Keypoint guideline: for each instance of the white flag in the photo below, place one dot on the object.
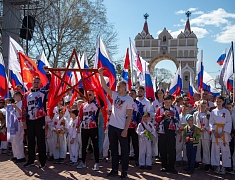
(13, 58)
(227, 69)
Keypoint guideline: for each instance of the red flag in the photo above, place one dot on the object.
(28, 68)
(139, 64)
(128, 68)
(55, 82)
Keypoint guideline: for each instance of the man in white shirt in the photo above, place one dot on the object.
(144, 101)
(120, 119)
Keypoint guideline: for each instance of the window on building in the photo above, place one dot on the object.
(164, 39)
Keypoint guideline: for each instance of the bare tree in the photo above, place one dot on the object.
(163, 75)
(66, 24)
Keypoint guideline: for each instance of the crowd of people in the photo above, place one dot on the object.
(178, 131)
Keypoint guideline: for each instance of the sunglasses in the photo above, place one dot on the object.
(90, 94)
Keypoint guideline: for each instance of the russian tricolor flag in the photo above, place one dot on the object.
(222, 57)
(103, 60)
(190, 91)
(126, 73)
(200, 74)
(3, 78)
(176, 84)
(42, 62)
(230, 84)
(16, 79)
(148, 83)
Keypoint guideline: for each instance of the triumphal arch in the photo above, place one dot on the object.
(182, 50)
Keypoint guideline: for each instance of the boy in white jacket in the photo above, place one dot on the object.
(146, 131)
(73, 137)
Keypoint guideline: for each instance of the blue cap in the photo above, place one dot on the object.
(188, 116)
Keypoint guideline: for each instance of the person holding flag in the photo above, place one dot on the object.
(120, 119)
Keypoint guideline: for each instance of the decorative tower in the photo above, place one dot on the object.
(181, 50)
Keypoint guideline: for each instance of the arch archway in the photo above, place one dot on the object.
(158, 59)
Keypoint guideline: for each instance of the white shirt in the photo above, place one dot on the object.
(66, 114)
(146, 104)
(221, 116)
(148, 126)
(67, 98)
(153, 109)
(72, 128)
(19, 105)
(119, 110)
(202, 121)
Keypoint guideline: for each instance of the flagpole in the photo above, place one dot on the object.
(131, 64)
(8, 71)
(202, 71)
(233, 71)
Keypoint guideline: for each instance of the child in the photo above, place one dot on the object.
(167, 118)
(17, 139)
(191, 135)
(201, 118)
(146, 131)
(73, 137)
(59, 137)
(106, 139)
(180, 147)
(49, 137)
(221, 126)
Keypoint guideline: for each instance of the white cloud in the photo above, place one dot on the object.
(177, 25)
(180, 12)
(199, 12)
(227, 35)
(220, 18)
(200, 32)
(174, 34)
(216, 18)
(192, 9)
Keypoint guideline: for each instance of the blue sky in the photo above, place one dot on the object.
(212, 21)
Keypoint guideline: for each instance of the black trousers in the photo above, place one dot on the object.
(167, 149)
(93, 134)
(36, 130)
(135, 142)
(115, 137)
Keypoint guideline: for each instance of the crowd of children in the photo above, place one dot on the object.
(177, 131)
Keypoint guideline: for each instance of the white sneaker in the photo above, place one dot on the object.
(222, 170)
(81, 165)
(217, 171)
(96, 167)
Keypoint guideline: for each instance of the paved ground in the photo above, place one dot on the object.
(11, 171)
